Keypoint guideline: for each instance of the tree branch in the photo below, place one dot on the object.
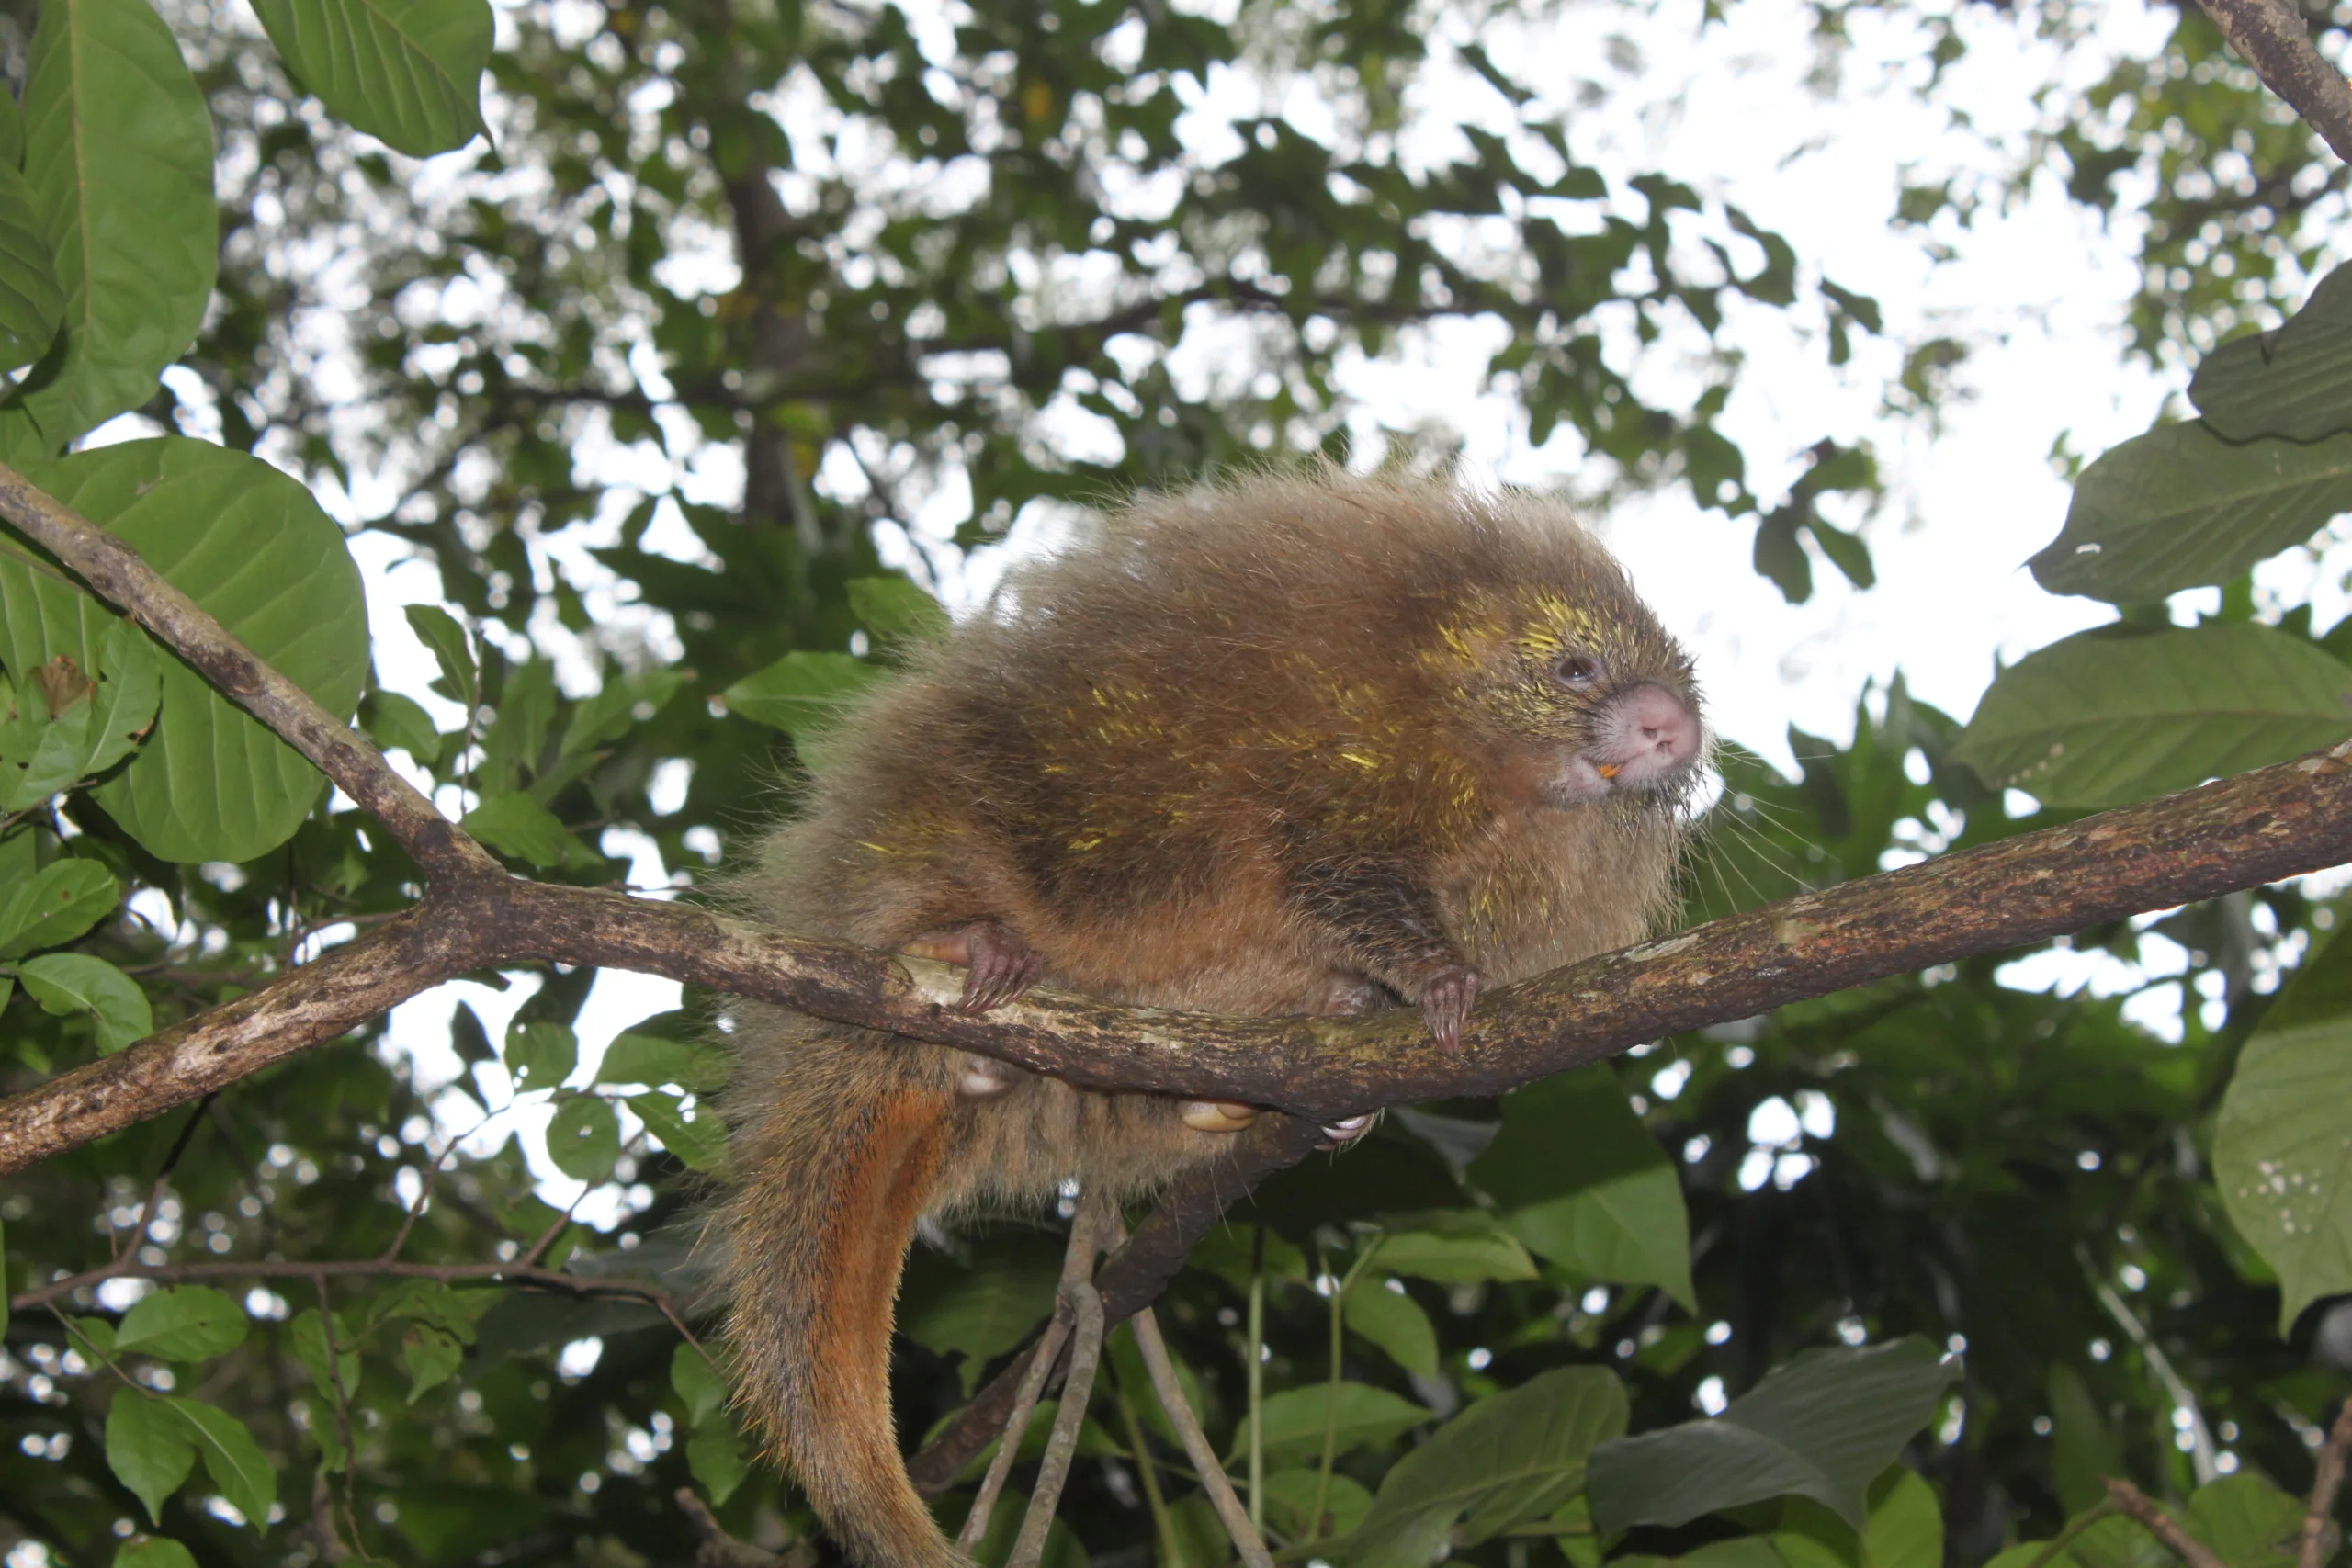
(2272, 37)
(2242, 832)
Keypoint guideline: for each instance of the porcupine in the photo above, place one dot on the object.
(1292, 744)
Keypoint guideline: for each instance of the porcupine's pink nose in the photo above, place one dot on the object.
(1652, 733)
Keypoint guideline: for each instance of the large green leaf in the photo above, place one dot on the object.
(2180, 507)
(1504, 1461)
(118, 155)
(1395, 1321)
(1292, 1423)
(2294, 382)
(186, 1323)
(231, 1458)
(982, 1311)
(150, 1450)
(31, 304)
(1590, 1188)
(802, 690)
(406, 72)
(2283, 1160)
(251, 546)
(1822, 1426)
(2101, 717)
(154, 1551)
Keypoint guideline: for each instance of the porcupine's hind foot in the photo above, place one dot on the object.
(999, 965)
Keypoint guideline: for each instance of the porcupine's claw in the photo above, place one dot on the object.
(999, 965)
(1446, 1000)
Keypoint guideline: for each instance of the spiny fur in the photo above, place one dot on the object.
(1152, 761)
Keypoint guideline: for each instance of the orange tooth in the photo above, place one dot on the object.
(1609, 770)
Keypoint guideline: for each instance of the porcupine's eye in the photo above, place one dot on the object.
(1576, 672)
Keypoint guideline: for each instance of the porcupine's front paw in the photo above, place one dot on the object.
(999, 965)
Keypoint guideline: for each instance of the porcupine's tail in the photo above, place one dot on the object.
(840, 1139)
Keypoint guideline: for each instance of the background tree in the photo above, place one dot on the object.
(756, 322)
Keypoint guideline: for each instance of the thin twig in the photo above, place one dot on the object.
(341, 1413)
(1016, 1428)
(2129, 1499)
(515, 1273)
(1206, 1464)
(1088, 1228)
(2320, 1516)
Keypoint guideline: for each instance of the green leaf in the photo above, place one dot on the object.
(1290, 1504)
(232, 1459)
(699, 1386)
(894, 610)
(432, 1356)
(2295, 382)
(540, 1055)
(1562, 1134)
(2283, 1162)
(2248, 1521)
(1634, 1230)
(715, 1458)
(584, 1138)
(311, 1346)
(183, 1322)
(1504, 1461)
(119, 156)
(700, 1142)
(1845, 552)
(406, 72)
(149, 1450)
(613, 711)
(252, 547)
(65, 899)
(802, 690)
(31, 303)
(1822, 1426)
(68, 983)
(651, 1059)
(1461, 1260)
(2082, 1449)
(453, 650)
(453, 1311)
(2101, 719)
(46, 753)
(983, 1311)
(1588, 1187)
(2179, 507)
(1395, 1323)
(153, 1551)
(516, 824)
(1294, 1419)
(395, 721)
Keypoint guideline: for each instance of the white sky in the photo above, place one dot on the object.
(2038, 289)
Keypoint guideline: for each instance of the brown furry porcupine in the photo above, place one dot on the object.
(1290, 745)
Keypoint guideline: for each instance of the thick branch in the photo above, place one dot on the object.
(2272, 37)
(2260, 827)
(117, 574)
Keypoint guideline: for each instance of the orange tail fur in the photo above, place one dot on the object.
(841, 1143)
